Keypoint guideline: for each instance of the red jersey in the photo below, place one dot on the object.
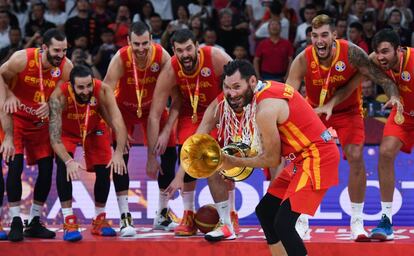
(125, 92)
(26, 87)
(204, 77)
(339, 73)
(303, 136)
(73, 117)
(405, 82)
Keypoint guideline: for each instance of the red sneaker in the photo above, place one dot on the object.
(101, 227)
(187, 225)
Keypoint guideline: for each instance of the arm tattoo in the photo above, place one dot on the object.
(359, 59)
(55, 123)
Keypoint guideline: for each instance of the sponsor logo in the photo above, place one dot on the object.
(27, 109)
(55, 72)
(93, 101)
(340, 66)
(205, 72)
(155, 67)
(406, 76)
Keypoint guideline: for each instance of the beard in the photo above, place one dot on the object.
(193, 62)
(54, 61)
(82, 98)
(239, 102)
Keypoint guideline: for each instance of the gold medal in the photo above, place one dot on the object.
(194, 118)
(139, 112)
(399, 118)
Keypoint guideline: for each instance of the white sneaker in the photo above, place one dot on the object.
(302, 227)
(164, 220)
(127, 229)
(358, 233)
(221, 232)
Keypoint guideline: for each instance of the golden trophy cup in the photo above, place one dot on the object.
(201, 157)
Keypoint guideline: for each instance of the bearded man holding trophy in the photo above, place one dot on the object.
(260, 122)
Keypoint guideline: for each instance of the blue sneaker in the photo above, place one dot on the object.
(3, 234)
(383, 231)
(71, 229)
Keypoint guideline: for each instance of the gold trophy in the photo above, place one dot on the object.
(201, 157)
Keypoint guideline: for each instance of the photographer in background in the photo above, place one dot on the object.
(81, 57)
(121, 26)
(102, 55)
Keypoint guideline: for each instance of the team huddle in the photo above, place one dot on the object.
(48, 107)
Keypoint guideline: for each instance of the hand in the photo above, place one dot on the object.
(176, 184)
(153, 167)
(8, 150)
(11, 105)
(225, 163)
(43, 110)
(325, 109)
(394, 102)
(162, 143)
(72, 169)
(171, 28)
(117, 164)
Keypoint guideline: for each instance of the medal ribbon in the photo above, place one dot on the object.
(82, 129)
(398, 118)
(42, 87)
(138, 91)
(324, 91)
(194, 98)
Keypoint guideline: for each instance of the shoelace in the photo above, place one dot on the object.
(127, 221)
(186, 220)
(384, 223)
(218, 225)
(35, 224)
(103, 223)
(71, 226)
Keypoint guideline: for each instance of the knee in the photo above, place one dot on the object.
(387, 152)
(281, 226)
(354, 154)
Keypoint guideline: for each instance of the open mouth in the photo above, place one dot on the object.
(322, 50)
(383, 63)
(235, 102)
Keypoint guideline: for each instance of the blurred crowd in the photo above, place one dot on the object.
(269, 33)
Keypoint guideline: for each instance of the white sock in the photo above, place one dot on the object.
(357, 209)
(162, 201)
(66, 212)
(99, 210)
(188, 200)
(386, 208)
(123, 203)
(35, 210)
(223, 210)
(14, 211)
(232, 203)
